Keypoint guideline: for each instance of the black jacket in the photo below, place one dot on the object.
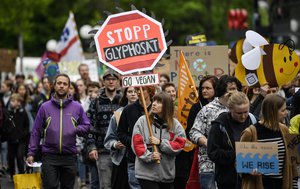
(129, 116)
(221, 148)
(16, 126)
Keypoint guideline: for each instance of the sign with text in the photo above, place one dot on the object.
(208, 60)
(259, 156)
(140, 80)
(293, 141)
(130, 42)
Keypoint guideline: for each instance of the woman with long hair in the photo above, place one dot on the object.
(206, 92)
(169, 138)
(270, 129)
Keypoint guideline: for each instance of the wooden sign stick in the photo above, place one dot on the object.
(148, 120)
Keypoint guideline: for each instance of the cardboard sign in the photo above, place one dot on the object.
(293, 142)
(130, 42)
(8, 60)
(140, 80)
(208, 60)
(256, 155)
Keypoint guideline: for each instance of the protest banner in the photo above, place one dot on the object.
(140, 80)
(8, 60)
(293, 141)
(208, 60)
(130, 42)
(262, 157)
(187, 96)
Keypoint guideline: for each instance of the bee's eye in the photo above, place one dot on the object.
(284, 59)
(290, 58)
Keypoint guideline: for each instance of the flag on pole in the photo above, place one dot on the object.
(40, 69)
(69, 46)
(187, 95)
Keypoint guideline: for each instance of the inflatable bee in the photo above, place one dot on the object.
(259, 63)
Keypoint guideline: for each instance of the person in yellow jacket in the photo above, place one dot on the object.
(295, 124)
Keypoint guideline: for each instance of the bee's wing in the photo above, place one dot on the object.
(247, 46)
(255, 39)
(251, 59)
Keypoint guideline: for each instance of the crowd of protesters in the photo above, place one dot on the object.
(99, 130)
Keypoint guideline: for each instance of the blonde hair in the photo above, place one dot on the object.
(237, 98)
(16, 96)
(269, 109)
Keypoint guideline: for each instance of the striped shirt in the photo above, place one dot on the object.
(267, 135)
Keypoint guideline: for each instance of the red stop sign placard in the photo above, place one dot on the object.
(130, 42)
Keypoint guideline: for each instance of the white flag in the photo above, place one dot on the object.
(69, 45)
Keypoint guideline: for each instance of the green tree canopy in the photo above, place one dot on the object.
(42, 20)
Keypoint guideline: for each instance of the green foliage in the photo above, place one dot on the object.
(41, 20)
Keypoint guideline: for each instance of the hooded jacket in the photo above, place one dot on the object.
(59, 121)
(221, 147)
(172, 142)
(100, 112)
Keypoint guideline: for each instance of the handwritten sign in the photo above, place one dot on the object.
(208, 60)
(140, 80)
(293, 142)
(256, 155)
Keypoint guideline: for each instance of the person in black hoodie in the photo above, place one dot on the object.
(225, 131)
(129, 116)
(16, 130)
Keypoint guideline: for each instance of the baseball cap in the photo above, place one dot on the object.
(110, 72)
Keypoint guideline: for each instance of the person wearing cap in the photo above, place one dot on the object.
(100, 112)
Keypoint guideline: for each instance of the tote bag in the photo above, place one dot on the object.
(24, 181)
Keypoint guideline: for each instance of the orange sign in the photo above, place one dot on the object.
(130, 42)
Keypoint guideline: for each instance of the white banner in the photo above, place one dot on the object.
(140, 80)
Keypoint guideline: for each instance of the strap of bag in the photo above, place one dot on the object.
(253, 119)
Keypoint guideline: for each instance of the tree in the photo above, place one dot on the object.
(39, 21)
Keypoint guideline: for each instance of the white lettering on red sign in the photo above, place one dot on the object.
(127, 34)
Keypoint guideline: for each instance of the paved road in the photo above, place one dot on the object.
(6, 183)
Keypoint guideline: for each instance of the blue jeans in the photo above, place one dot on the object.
(94, 175)
(132, 181)
(81, 170)
(207, 180)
